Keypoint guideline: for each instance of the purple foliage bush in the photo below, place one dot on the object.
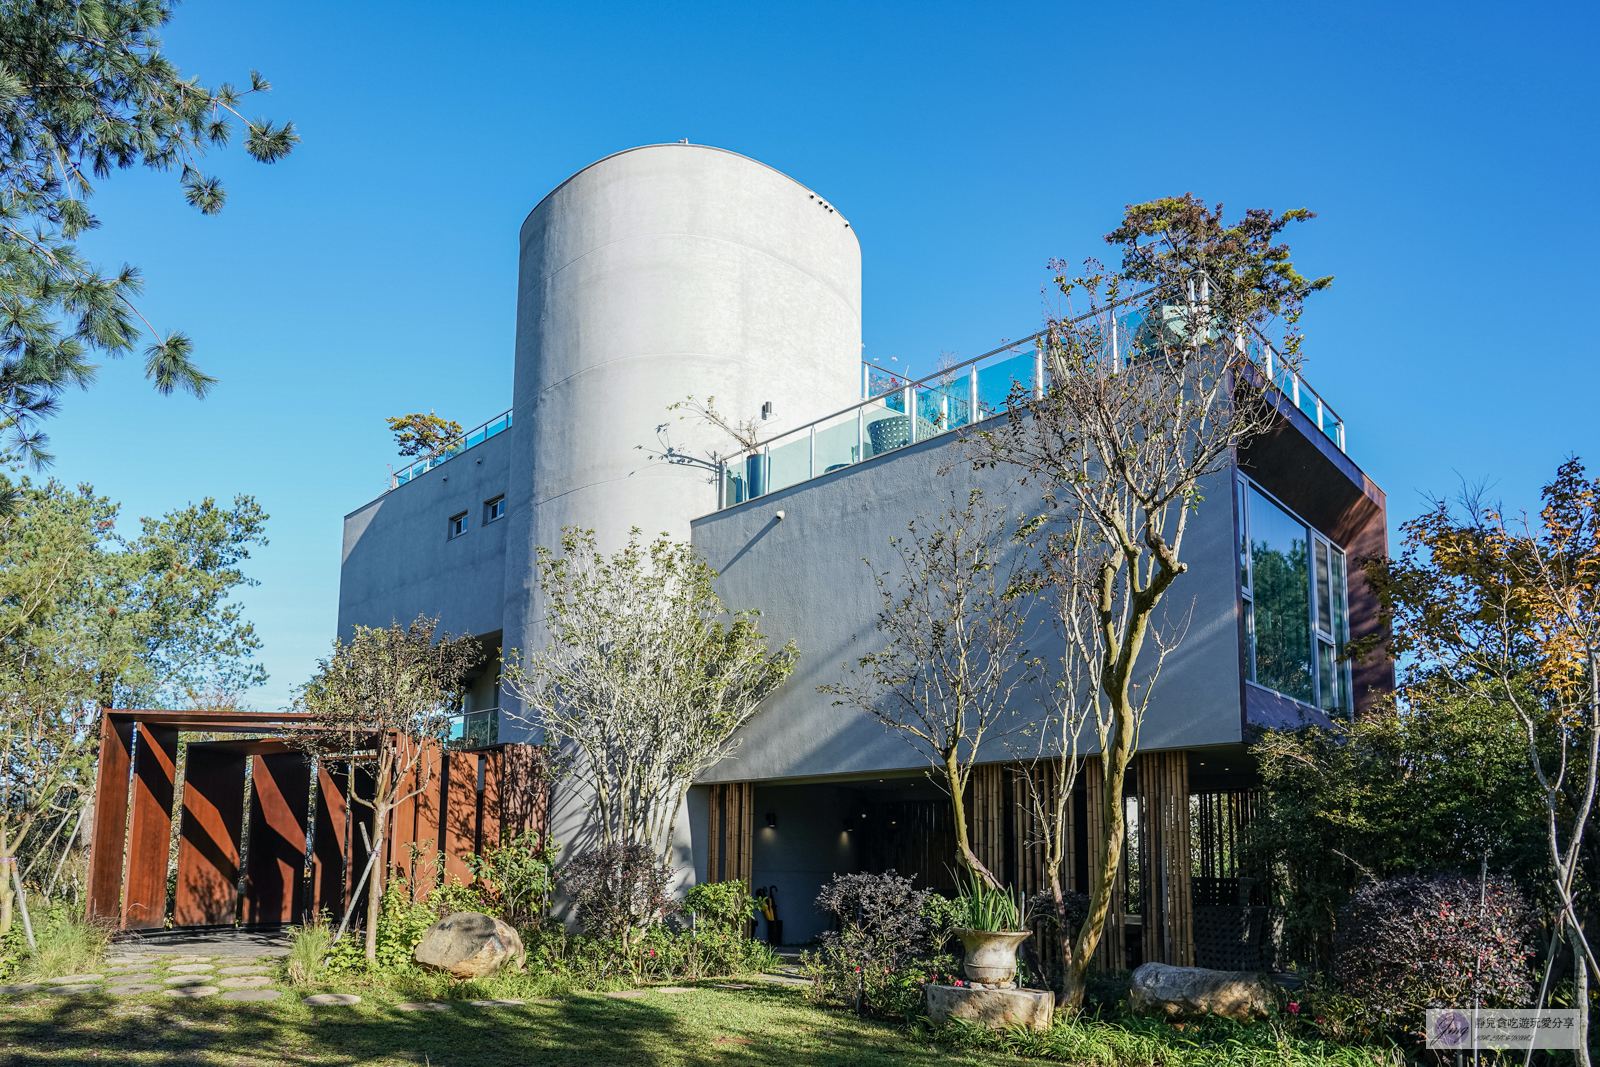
(1410, 943)
(618, 889)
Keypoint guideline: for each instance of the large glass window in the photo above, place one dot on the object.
(1294, 604)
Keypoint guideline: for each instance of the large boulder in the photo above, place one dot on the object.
(1163, 990)
(470, 944)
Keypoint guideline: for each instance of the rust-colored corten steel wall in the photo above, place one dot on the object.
(144, 902)
(463, 800)
(330, 869)
(274, 869)
(208, 843)
(106, 850)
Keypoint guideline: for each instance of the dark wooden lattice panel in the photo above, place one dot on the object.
(1229, 937)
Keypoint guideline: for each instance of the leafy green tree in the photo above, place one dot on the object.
(1151, 393)
(89, 619)
(424, 435)
(646, 678)
(385, 697)
(85, 90)
(1432, 785)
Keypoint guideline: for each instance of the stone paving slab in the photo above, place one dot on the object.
(188, 979)
(252, 994)
(240, 982)
(497, 1003)
(322, 1000)
(192, 992)
(422, 1005)
(189, 959)
(625, 994)
(190, 968)
(134, 976)
(62, 990)
(75, 979)
(672, 989)
(251, 969)
(134, 989)
(13, 990)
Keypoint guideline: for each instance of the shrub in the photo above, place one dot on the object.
(885, 950)
(1411, 943)
(513, 878)
(723, 906)
(620, 891)
(401, 922)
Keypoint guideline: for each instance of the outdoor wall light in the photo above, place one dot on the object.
(772, 820)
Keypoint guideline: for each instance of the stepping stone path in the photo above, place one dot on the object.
(733, 985)
(673, 989)
(134, 976)
(193, 992)
(237, 982)
(497, 1003)
(626, 994)
(188, 979)
(422, 1005)
(75, 979)
(191, 968)
(323, 1000)
(253, 969)
(14, 990)
(133, 989)
(252, 994)
(190, 959)
(65, 989)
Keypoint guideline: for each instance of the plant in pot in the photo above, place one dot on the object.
(990, 931)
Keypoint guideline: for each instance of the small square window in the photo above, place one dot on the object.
(458, 525)
(493, 509)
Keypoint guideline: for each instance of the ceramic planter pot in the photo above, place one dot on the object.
(992, 954)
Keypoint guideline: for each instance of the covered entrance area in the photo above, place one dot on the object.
(1183, 895)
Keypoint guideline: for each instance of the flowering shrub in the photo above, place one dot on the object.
(1406, 944)
(620, 891)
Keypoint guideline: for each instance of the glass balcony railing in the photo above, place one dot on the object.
(471, 439)
(474, 729)
(895, 412)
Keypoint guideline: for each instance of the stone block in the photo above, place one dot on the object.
(1159, 989)
(994, 1008)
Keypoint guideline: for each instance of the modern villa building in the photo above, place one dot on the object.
(677, 270)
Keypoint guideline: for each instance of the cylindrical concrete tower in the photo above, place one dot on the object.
(655, 274)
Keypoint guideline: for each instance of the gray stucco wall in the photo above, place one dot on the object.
(398, 564)
(655, 274)
(806, 576)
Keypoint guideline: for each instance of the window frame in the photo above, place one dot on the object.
(456, 526)
(490, 503)
(1343, 688)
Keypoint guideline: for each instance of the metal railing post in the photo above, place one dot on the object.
(861, 434)
(910, 395)
(1319, 413)
(722, 485)
(972, 395)
(813, 473)
(1038, 369)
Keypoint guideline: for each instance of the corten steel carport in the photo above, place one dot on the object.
(467, 799)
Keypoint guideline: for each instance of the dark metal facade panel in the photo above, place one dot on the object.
(108, 850)
(209, 835)
(144, 905)
(489, 803)
(274, 868)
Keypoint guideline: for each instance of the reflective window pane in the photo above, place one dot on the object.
(1327, 678)
(1324, 590)
(1282, 587)
(790, 461)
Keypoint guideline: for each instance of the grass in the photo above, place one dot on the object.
(702, 1027)
(66, 945)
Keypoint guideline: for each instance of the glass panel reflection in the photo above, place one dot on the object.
(1282, 588)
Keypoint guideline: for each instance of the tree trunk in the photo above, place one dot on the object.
(1103, 871)
(7, 894)
(380, 813)
(969, 859)
(1580, 971)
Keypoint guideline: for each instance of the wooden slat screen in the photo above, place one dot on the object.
(731, 834)
(1163, 781)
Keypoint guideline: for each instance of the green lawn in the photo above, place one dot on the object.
(762, 1025)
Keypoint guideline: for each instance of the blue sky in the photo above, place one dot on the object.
(1449, 150)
